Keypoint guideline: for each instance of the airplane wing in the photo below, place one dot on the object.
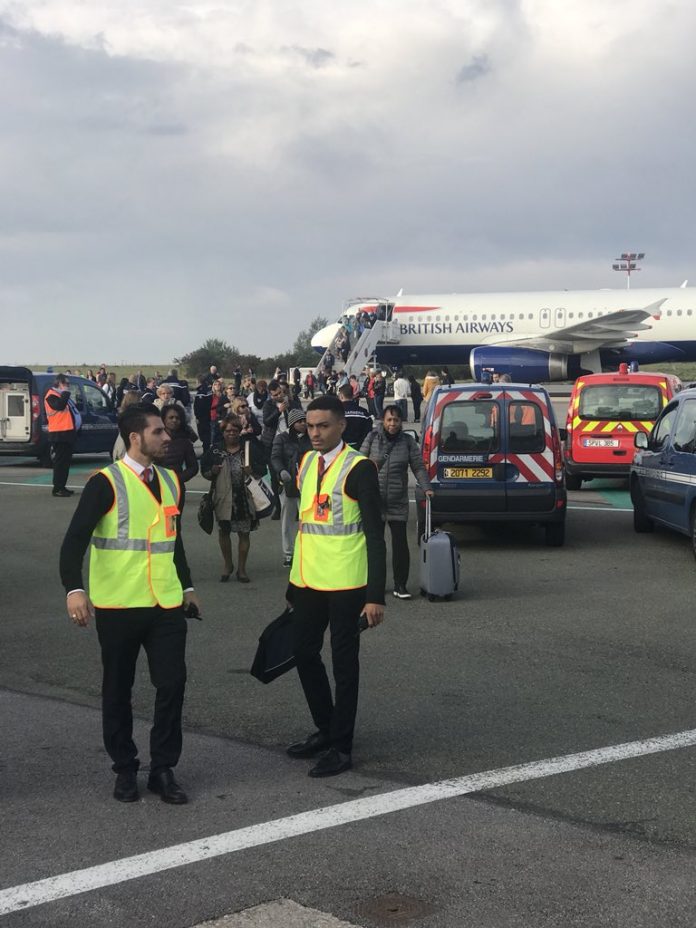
(611, 331)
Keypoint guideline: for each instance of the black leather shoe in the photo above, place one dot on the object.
(126, 787)
(63, 492)
(331, 763)
(311, 746)
(164, 784)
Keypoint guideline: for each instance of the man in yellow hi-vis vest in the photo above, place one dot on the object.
(139, 583)
(337, 576)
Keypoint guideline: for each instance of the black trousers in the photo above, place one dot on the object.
(339, 610)
(62, 456)
(162, 633)
(401, 561)
(416, 409)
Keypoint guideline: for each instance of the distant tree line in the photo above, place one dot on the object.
(227, 357)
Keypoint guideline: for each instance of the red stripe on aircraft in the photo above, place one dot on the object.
(414, 309)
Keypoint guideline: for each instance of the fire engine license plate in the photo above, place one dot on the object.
(600, 442)
(465, 473)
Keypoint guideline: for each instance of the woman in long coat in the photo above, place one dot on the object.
(394, 452)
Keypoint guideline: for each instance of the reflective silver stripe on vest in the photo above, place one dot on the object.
(133, 544)
(313, 528)
(121, 501)
(122, 542)
(167, 477)
(308, 458)
(337, 495)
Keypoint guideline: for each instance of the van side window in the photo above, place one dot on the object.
(470, 428)
(95, 399)
(685, 431)
(526, 428)
(663, 428)
(76, 395)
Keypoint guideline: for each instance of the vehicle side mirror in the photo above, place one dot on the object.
(413, 433)
(640, 440)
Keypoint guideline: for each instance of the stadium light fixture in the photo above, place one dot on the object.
(628, 262)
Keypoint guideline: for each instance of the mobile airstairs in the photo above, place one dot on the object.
(364, 349)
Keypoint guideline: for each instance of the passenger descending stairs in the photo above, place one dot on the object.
(362, 353)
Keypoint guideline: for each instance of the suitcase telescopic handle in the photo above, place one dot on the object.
(428, 518)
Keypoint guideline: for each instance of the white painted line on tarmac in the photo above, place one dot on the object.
(17, 898)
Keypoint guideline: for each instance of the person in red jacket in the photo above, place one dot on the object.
(64, 422)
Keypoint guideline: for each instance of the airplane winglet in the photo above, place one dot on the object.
(683, 286)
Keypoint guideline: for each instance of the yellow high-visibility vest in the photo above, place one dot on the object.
(132, 556)
(330, 548)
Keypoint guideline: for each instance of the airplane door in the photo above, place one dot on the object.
(544, 318)
(559, 317)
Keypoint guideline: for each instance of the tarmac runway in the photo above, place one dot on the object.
(568, 661)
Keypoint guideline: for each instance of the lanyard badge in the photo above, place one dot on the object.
(322, 505)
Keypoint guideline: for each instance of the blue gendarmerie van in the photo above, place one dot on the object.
(493, 454)
(23, 428)
(663, 473)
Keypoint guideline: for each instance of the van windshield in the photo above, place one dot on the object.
(471, 428)
(620, 401)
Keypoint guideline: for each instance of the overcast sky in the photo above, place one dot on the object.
(173, 172)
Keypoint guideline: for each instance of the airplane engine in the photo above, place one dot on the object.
(524, 365)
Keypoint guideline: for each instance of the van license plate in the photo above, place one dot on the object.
(600, 442)
(466, 473)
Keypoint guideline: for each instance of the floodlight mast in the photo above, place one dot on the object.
(628, 262)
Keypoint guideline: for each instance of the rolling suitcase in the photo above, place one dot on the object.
(439, 561)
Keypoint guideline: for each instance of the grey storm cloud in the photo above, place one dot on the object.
(314, 57)
(477, 67)
(194, 173)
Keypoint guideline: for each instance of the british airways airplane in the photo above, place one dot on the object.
(542, 336)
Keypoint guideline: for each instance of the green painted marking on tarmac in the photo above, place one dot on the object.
(619, 499)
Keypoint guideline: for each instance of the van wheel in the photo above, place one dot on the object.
(573, 482)
(555, 534)
(641, 521)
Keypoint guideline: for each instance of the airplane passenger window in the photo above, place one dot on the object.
(679, 312)
(521, 316)
(688, 312)
(493, 316)
(530, 316)
(669, 312)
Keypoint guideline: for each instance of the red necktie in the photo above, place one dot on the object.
(146, 475)
(322, 466)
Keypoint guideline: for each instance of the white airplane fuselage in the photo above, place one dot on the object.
(442, 329)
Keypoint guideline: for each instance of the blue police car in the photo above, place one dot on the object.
(663, 474)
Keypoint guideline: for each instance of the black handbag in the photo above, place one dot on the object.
(206, 510)
(274, 655)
